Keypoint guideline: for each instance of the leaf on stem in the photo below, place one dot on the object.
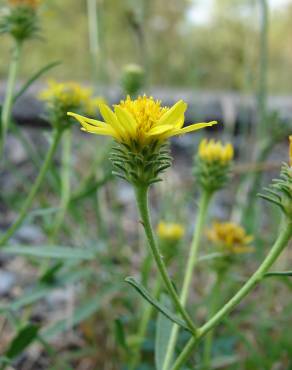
(278, 274)
(161, 308)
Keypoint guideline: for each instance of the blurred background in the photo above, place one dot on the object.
(211, 45)
(230, 60)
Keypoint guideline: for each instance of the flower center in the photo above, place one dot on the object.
(146, 111)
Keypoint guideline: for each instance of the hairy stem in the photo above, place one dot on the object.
(142, 202)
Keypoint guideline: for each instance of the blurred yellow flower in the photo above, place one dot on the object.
(230, 237)
(170, 231)
(71, 95)
(290, 150)
(139, 122)
(212, 151)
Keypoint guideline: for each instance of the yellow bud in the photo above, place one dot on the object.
(170, 231)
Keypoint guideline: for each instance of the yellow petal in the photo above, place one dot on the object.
(89, 121)
(126, 120)
(158, 130)
(194, 127)
(111, 119)
(174, 114)
(94, 126)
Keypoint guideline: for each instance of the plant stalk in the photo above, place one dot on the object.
(279, 245)
(9, 96)
(141, 193)
(65, 181)
(214, 301)
(192, 260)
(28, 202)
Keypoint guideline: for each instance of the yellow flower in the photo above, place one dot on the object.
(212, 151)
(70, 95)
(140, 122)
(230, 237)
(290, 150)
(31, 3)
(170, 231)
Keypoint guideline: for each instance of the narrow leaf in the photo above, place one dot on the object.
(47, 251)
(32, 79)
(162, 335)
(22, 340)
(164, 310)
(120, 334)
(278, 274)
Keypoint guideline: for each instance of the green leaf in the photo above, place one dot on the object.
(278, 274)
(164, 310)
(22, 340)
(80, 314)
(162, 335)
(32, 79)
(47, 251)
(120, 334)
(49, 276)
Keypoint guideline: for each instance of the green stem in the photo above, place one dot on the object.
(142, 202)
(148, 310)
(279, 245)
(27, 203)
(214, 300)
(65, 181)
(8, 100)
(192, 260)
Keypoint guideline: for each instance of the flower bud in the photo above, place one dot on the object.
(20, 19)
(212, 164)
(132, 79)
(169, 235)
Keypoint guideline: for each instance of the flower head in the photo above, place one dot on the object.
(212, 164)
(230, 238)
(63, 96)
(141, 128)
(170, 231)
(140, 122)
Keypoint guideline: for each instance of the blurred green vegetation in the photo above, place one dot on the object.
(221, 53)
